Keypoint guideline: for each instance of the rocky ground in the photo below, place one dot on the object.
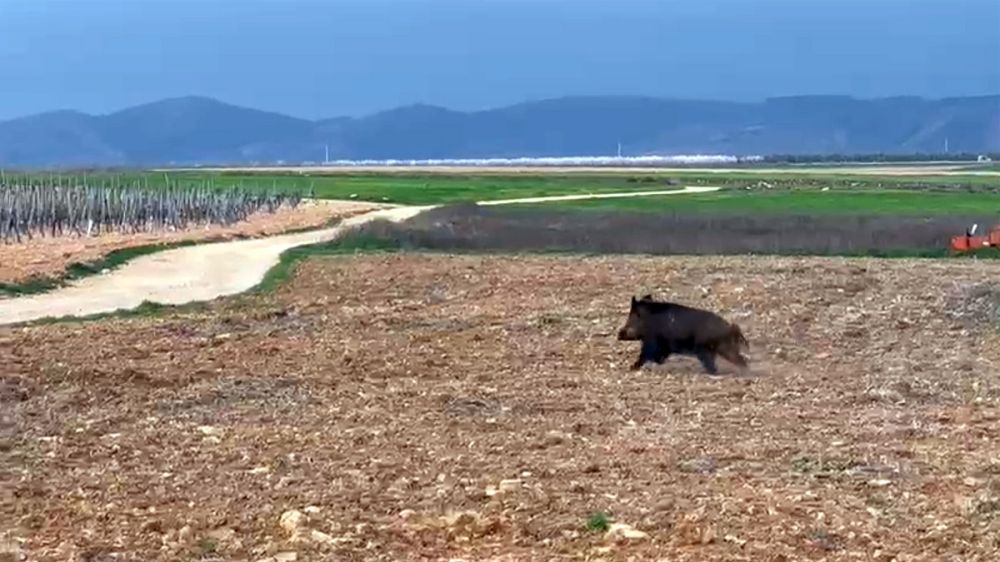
(50, 256)
(431, 407)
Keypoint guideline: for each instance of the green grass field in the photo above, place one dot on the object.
(428, 188)
(833, 178)
(442, 188)
(893, 202)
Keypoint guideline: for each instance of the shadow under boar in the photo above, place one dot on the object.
(667, 328)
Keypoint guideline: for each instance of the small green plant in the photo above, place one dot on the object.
(206, 546)
(598, 522)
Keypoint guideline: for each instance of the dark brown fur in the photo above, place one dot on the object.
(666, 328)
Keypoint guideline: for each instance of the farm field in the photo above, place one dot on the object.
(430, 186)
(413, 189)
(46, 263)
(805, 202)
(537, 229)
(419, 405)
(416, 406)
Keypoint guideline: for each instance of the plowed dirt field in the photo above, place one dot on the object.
(430, 407)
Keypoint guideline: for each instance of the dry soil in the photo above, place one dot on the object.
(427, 407)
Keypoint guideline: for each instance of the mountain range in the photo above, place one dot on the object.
(199, 131)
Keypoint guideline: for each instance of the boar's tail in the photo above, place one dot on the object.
(739, 338)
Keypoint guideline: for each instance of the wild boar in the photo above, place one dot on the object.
(667, 328)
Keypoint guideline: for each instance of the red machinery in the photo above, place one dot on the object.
(971, 242)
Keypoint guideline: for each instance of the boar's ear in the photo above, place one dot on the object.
(647, 297)
(633, 301)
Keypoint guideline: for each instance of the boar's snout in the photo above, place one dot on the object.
(627, 333)
(632, 328)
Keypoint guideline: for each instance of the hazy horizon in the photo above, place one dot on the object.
(315, 59)
(404, 105)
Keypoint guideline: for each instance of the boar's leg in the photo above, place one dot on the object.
(659, 350)
(638, 362)
(707, 359)
(650, 351)
(662, 354)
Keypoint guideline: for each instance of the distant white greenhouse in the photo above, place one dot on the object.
(558, 161)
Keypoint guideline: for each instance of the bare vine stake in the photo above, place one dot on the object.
(33, 206)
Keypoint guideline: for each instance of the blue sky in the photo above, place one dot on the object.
(314, 58)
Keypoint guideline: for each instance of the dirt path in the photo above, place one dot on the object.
(208, 271)
(551, 198)
(52, 256)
